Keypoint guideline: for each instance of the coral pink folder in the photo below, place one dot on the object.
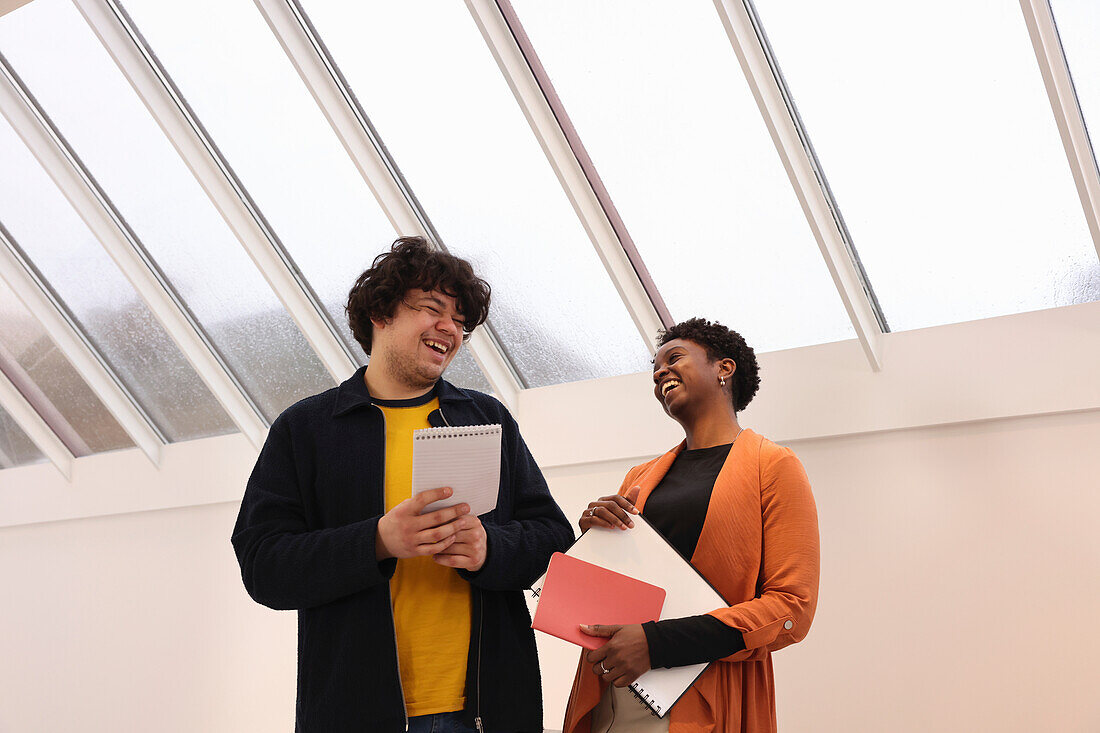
(576, 592)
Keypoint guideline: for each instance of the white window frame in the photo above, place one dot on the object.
(217, 179)
(105, 223)
(792, 144)
(76, 348)
(1039, 18)
(351, 125)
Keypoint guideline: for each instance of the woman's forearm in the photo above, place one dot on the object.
(679, 642)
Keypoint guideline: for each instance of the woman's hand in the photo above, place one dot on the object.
(624, 658)
(612, 512)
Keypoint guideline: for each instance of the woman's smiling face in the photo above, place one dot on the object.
(683, 374)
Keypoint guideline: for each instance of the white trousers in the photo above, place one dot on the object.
(619, 711)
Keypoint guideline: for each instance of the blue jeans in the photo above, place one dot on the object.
(439, 723)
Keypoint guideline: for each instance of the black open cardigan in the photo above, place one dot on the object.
(305, 540)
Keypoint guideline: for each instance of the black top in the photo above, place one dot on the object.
(423, 399)
(677, 508)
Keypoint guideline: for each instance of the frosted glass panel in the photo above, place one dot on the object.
(241, 85)
(454, 128)
(100, 299)
(937, 137)
(660, 103)
(16, 449)
(86, 96)
(24, 344)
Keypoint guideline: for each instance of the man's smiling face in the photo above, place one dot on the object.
(418, 343)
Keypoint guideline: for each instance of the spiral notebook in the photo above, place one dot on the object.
(644, 554)
(466, 458)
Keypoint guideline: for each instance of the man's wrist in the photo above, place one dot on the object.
(381, 551)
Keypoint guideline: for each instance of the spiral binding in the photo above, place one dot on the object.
(460, 431)
(645, 700)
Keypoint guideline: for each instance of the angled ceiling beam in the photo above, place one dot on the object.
(1067, 111)
(329, 89)
(107, 225)
(194, 145)
(530, 84)
(792, 143)
(58, 424)
(75, 347)
(29, 421)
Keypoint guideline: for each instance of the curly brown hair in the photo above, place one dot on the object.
(413, 264)
(721, 343)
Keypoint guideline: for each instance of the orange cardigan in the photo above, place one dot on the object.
(759, 549)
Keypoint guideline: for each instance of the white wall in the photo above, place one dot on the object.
(138, 622)
(960, 592)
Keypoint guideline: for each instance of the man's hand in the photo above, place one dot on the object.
(470, 547)
(404, 532)
(612, 512)
(624, 658)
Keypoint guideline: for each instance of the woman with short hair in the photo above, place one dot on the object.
(739, 507)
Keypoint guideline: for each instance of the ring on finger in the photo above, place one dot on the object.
(603, 669)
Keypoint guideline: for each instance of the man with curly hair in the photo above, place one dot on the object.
(407, 621)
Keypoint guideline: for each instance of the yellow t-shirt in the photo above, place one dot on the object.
(431, 603)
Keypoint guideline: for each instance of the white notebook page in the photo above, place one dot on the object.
(466, 458)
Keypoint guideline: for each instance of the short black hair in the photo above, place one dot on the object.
(721, 343)
(412, 263)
